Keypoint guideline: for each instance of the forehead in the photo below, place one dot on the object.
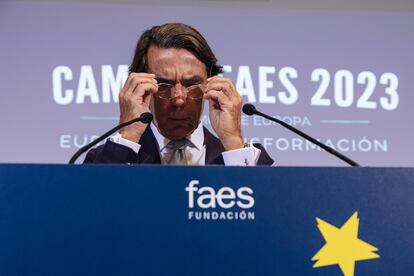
(174, 63)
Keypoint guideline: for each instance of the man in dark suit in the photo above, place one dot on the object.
(172, 73)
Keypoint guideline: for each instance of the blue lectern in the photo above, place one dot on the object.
(166, 220)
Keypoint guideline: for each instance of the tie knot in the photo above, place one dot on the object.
(178, 144)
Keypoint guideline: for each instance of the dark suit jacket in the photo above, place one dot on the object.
(112, 152)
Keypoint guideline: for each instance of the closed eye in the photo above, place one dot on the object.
(162, 80)
(187, 82)
(192, 81)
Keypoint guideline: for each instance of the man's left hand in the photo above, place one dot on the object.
(225, 111)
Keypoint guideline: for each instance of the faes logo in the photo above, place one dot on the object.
(226, 197)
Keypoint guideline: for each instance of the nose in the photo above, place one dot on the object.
(179, 101)
(180, 98)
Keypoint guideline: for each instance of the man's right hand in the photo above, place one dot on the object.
(134, 99)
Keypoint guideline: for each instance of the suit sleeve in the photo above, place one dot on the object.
(264, 158)
(112, 153)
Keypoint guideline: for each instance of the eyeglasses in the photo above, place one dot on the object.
(168, 91)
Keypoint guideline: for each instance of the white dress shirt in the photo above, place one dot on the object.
(196, 150)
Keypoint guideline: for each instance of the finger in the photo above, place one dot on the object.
(213, 104)
(141, 86)
(225, 84)
(142, 97)
(220, 86)
(217, 97)
(220, 79)
(142, 75)
(136, 78)
(142, 79)
(140, 93)
(234, 98)
(144, 89)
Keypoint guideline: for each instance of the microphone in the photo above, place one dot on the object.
(250, 110)
(145, 118)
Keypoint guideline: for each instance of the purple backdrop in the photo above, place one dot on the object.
(343, 76)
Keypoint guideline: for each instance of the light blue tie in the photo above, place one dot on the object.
(177, 149)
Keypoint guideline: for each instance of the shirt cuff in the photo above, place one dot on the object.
(242, 157)
(117, 138)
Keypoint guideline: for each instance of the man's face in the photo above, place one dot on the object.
(178, 117)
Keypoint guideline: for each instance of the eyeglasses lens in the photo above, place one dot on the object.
(167, 91)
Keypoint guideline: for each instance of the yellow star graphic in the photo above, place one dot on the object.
(343, 246)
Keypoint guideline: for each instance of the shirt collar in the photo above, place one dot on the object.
(196, 138)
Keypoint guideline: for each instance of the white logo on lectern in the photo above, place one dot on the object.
(205, 198)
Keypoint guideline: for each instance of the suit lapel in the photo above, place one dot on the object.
(149, 152)
(214, 148)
